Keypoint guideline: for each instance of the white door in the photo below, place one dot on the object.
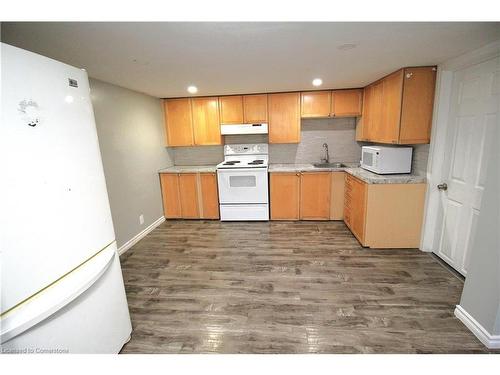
(473, 115)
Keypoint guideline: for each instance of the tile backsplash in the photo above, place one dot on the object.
(338, 133)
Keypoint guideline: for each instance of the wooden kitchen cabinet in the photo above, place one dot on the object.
(255, 109)
(337, 196)
(315, 104)
(384, 215)
(209, 196)
(398, 108)
(206, 124)
(284, 117)
(346, 103)
(284, 195)
(178, 122)
(354, 206)
(231, 109)
(315, 195)
(190, 195)
(171, 196)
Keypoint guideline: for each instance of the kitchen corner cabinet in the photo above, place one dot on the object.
(384, 215)
(398, 108)
(304, 196)
(284, 117)
(192, 121)
(190, 195)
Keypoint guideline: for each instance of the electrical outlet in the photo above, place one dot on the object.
(141, 219)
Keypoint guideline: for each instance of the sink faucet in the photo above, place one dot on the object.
(326, 159)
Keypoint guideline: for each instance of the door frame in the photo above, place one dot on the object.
(445, 74)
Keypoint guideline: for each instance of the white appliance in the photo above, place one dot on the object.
(243, 182)
(243, 129)
(61, 282)
(386, 159)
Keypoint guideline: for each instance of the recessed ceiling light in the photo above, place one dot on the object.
(317, 82)
(192, 89)
(347, 46)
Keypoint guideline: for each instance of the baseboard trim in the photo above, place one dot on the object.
(490, 341)
(127, 245)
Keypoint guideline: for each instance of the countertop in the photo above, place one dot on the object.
(354, 170)
(189, 169)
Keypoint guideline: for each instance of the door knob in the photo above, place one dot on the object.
(443, 186)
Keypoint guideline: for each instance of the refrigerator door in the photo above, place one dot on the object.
(55, 210)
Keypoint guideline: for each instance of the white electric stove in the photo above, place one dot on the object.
(243, 182)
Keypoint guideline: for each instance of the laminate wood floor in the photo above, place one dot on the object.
(286, 287)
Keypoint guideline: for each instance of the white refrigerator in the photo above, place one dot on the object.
(61, 282)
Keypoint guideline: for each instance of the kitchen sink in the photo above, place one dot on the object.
(329, 165)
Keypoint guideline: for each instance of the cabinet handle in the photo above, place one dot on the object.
(408, 75)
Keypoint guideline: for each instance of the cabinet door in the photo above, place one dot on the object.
(284, 117)
(170, 195)
(188, 191)
(388, 131)
(255, 109)
(209, 196)
(347, 103)
(418, 103)
(337, 196)
(358, 208)
(315, 104)
(364, 122)
(231, 109)
(178, 122)
(375, 126)
(315, 195)
(284, 199)
(206, 125)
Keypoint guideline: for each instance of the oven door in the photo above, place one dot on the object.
(242, 185)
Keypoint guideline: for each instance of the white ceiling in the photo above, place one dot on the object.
(162, 59)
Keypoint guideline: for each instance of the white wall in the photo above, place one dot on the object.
(131, 137)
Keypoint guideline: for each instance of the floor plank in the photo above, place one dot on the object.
(286, 287)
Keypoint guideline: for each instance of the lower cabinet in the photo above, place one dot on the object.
(384, 215)
(306, 195)
(190, 195)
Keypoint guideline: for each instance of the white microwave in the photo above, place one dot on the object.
(386, 159)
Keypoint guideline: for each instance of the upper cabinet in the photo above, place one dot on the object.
(346, 103)
(192, 122)
(255, 108)
(206, 124)
(243, 109)
(179, 122)
(336, 103)
(315, 104)
(284, 117)
(398, 108)
(231, 109)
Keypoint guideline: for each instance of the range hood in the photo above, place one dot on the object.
(243, 129)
